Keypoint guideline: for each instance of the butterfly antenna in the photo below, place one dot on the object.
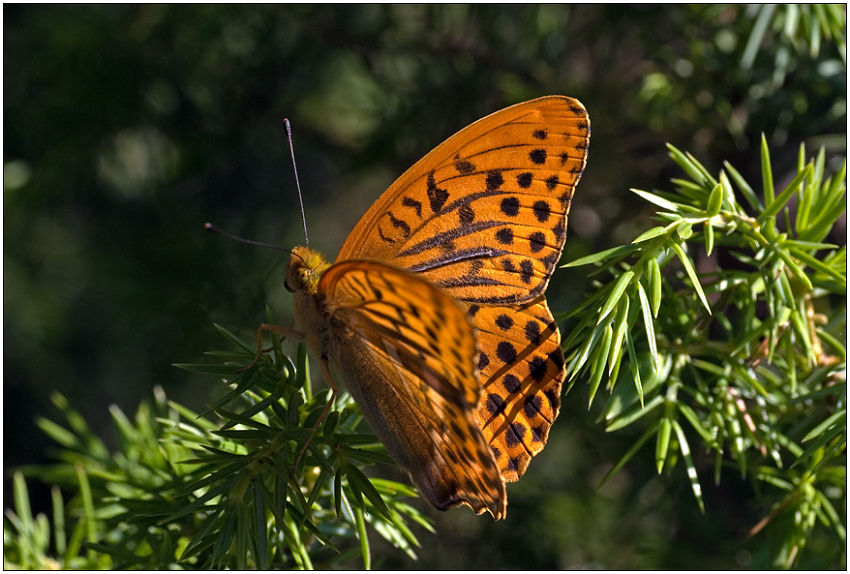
(210, 227)
(297, 183)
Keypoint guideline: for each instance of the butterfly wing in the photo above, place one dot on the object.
(483, 216)
(406, 352)
(522, 370)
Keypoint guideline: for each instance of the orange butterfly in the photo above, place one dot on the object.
(434, 314)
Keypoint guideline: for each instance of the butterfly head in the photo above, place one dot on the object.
(304, 269)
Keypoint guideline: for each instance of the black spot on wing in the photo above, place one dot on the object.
(466, 214)
(537, 433)
(537, 241)
(557, 356)
(538, 156)
(410, 202)
(511, 383)
(504, 322)
(495, 404)
(532, 406)
(514, 434)
(524, 179)
(537, 368)
(532, 331)
(384, 238)
(505, 236)
(494, 180)
(483, 361)
(399, 224)
(510, 206)
(506, 352)
(464, 167)
(554, 400)
(526, 270)
(436, 196)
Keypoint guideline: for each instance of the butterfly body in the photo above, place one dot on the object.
(434, 314)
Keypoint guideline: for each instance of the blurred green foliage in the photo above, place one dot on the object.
(217, 489)
(126, 127)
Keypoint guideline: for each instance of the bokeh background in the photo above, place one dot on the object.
(127, 127)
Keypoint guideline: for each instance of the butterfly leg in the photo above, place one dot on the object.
(284, 332)
(326, 372)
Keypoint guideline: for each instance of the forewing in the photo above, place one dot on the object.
(483, 215)
(407, 352)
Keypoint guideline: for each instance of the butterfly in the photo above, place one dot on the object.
(434, 314)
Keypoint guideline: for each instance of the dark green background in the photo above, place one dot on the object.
(127, 127)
